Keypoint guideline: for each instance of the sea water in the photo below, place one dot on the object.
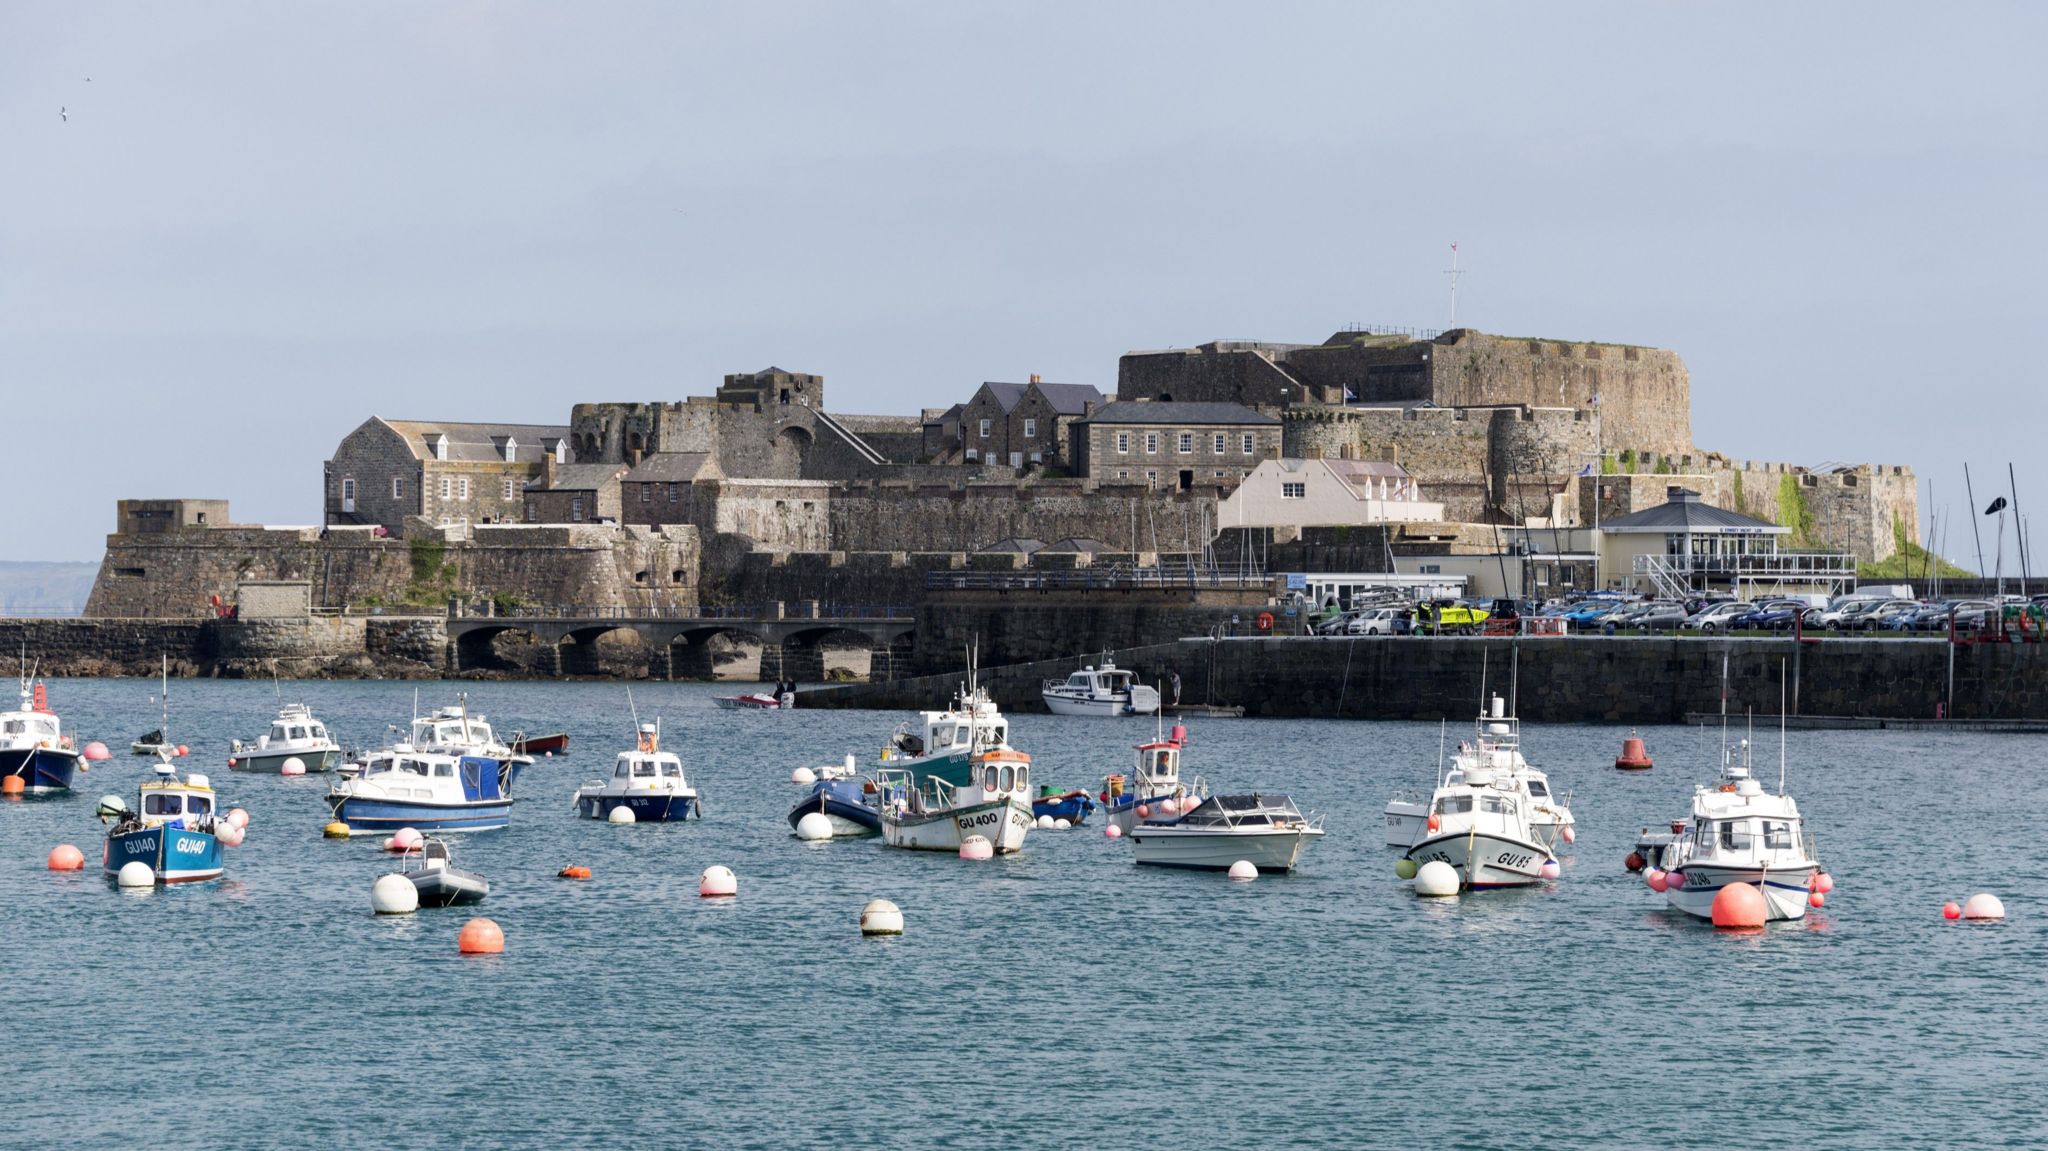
(1063, 997)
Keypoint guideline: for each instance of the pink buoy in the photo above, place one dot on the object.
(1951, 910)
(240, 818)
(1144, 811)
(182, 750)
(1551, 869)
(1570, 836)
(1823, 883)
(1167, 806)
(97, 751)
(1816, 899)
(1674, 879)
(65, 857)
(1112, 832)
(405, 839)
(1656, 879)
(229, 834)
(1739, 905)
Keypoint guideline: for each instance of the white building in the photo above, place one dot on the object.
(1289, 493)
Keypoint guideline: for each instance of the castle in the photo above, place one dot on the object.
(669, 505)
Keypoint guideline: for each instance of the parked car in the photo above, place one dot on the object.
(1880, 615)
(1758, 618)
(1715, 617)
(1379, 621)
(1589, 613)
(1664, 615)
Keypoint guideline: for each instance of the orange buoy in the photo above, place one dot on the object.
(1951, 910)
(12, 785)
(573, 871)
(481, 936)
(1435, 823)
(1739, 905)
(1633, 756)
(65, 857)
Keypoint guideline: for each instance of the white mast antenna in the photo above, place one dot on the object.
(1452, 272)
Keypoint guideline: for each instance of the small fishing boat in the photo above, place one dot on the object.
(1740, 833)
(440, 883)
(1105, 690)
(1267, 831)
(174, 831)
(451, 730)
(430, 791)
(294, 734)
(647, 781)
(936, 808)
(843, 797)
(1496, 745)
(33, 746)
(556, 744)
(1483, 826)
(783, 698)
(1157, 777)
(1073, 806)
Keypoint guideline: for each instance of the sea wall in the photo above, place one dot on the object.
(1576, 679)
(893, 517)
(311, 647)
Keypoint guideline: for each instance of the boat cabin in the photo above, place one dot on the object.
(1108, 682)
(1006, 771)
(1241, 811)
(645, 768)
(447, 728)
(1480, 805)
(181, 803)
(28, 728)
(956, 730)
(297, 729)
(479, 777)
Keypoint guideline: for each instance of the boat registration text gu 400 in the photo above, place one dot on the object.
(1741, 833)
(173, 830)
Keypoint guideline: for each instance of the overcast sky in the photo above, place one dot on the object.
(263, 223)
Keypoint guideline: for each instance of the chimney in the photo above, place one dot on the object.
(1035, 379)
(547, 470)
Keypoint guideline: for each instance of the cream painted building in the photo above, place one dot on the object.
(1290, 493)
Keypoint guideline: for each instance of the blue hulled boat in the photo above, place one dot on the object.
(1072, 806)
(845, 799)
(427, 791)
(175, 830)
(648, 782)
(33, 747)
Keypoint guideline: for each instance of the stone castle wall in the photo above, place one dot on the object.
(889, 517)
(1480, 463)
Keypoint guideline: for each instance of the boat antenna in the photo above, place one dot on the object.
(636, 713)
(1442, 733)
(275, 684)
(1781, 727)
(464, 699)
(164, 694)
(1514, 677)
(1483, 653)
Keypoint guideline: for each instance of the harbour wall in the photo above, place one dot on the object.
(1621, 679)
(378, 647)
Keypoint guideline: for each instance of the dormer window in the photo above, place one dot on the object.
(510, 446)
(440, 446)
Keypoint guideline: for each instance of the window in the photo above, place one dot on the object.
(397, 488)
(1151, 479)
(509, 488)
(1248, 443)
(1037, 457)
(446, 486)
(440, 447)
(1151, 443)
(348, 495)
(511, 446)
(1030, 429)
(671, 493)
(462, 488)
(973, 454)
(1222, 444)
(1187, 443)
(1294, 491)
(576, 509)
(1123, 473)
(984, 429)
(646, 493)
(1123, 443)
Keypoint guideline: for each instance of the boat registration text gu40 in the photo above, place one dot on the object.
(174, 829)
(1741, 833)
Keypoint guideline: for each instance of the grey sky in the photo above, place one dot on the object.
(263, 223)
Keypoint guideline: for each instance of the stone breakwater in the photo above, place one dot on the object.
(1579, 679)
(303, 648)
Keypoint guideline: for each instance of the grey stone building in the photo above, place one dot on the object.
(445, 473)
(1022, 425)
(1175, 445)
(575, 494)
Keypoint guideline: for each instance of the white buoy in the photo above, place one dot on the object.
(803, 777)
(815, 825)
(1112, 832)
(135, 873)
(1244, 869)
(1045, 822)
(852, 764)
(977, 847)
(292, 766)
(238, 817)
(718, 880)
(621, 814)
(1982, 905)
(394, 894)
(881, 917)
(1436, 879)
(230, 835)
(407, 839)
(1063, 824)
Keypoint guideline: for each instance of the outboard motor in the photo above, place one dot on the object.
(111, 808)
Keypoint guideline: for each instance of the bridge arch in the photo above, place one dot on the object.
(697, 652)
(478, 649)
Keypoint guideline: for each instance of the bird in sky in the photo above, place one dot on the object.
(64, 115)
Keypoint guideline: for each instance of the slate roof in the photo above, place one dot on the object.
(1177, 412)
(1066, 399)
(1088, 545)
(1024, 544)
(1685, 512)
(668, 467)
(478, 442)
(578, 478)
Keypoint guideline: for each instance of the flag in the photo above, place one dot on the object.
(1587, 470)
(1997, 505)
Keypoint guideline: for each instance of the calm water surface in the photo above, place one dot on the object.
(1059, 998)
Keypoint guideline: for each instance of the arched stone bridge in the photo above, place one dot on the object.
(679, 647)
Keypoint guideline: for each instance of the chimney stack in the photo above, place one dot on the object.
(1035, 379)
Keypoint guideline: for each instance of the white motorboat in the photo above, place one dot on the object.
(452, 731)
(1741, 833)
(756, 701)
(1105, 690)
(33, 746)
(1496, 744)
(647, 781)
(294, 734)
(1268, 831)
(430, 791)
(1483, 825)
(944, 741)
(936, 806)
(1156, 778)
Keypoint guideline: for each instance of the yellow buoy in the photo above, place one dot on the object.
(335, 830)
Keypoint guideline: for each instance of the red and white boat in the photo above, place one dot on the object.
(757, 701)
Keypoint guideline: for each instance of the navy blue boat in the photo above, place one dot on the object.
(1072, 806)
(845, 801)
(426, 791)
(33, 747)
